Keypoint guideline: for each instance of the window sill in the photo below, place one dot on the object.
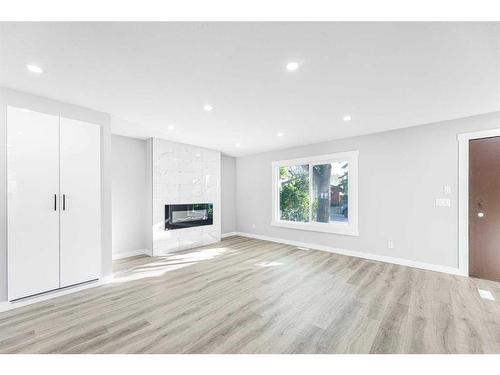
(343, 229)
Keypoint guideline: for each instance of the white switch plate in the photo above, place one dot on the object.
(443, 202)
(390, 244)
(447, 189)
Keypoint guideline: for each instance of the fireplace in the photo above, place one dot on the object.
(178, 216)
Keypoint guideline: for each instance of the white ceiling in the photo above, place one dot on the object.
(150, 75)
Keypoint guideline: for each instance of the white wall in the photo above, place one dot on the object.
(149, 196)
(40, 104)
(228, 194)
(401, 173)
(129, 194)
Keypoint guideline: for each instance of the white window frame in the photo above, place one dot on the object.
(350, 227)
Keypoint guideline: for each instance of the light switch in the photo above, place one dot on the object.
(443, 202)
(447, 189)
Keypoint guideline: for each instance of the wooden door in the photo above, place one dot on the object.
(484, 208)
(80, 202)
(32, 208)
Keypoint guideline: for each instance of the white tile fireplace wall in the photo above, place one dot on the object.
(183, 174)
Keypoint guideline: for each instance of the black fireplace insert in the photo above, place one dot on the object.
(178, 216)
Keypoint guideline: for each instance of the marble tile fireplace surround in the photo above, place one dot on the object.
(182, 175)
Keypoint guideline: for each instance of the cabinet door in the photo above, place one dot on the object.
(32, 208)
(80, 202)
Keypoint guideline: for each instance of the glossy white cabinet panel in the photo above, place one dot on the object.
(33, 218)
(80, 202)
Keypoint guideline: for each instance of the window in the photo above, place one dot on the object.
(294, 193)
(317, 193)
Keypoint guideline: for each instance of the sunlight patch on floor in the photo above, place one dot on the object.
(486, 294)
(198, 255)
(148, 273)
(168, 263)
(268, 264)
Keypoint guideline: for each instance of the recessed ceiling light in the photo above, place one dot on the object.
(171, 127)
(292, 66)
(207, 108)
(34, 68)
(347, 118)
(237, 145)
(280, 134)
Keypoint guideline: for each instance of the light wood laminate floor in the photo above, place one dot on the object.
(250, 296)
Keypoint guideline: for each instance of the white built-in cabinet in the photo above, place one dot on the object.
(53, 202)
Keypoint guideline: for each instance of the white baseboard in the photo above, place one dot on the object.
(229, 234)
(129, 254)
(357, 254)
(7, 305)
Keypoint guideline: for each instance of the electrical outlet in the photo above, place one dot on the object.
(390, 244)
(253, 226)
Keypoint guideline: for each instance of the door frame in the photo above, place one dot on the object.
(463, 194)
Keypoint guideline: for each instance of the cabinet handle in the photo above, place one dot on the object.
(55, 202)
(64, 202)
